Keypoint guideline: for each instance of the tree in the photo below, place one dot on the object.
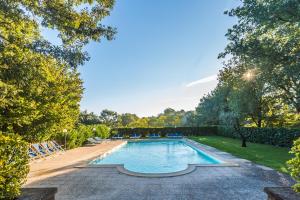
(39, 82)
(88, 118)
(268, 34)
(109, 118)
(189, 119)
(211, 105)
(140, 123)
(127, 119)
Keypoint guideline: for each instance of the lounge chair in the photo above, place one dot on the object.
(32, 154)
(118, 136)
(93, 141)
(48, 148)
(174, 135)
(135, 136)
(56, 145)
(39, 149)
(154, 135)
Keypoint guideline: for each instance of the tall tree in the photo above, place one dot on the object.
(40, 88)
(88, 118)
(109, 118)
(128, 118)
(211, 105)
(268, 33)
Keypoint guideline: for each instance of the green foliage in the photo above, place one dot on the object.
(88, 118)
(79, 135)
(40, 88)
(294, 164)
(204, 130)
(259, 85)
(271, 156)
(211, 106)
(169, 118)
(109, 118)
(102, 131)
(273, 136)
(127, 119)
(266, 37)
(13, 165)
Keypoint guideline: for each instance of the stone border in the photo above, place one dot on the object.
(190, 168)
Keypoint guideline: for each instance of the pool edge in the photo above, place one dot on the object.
(190, 168)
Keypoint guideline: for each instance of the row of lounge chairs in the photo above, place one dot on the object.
(44, 149)
(95, 140)
(151, 135)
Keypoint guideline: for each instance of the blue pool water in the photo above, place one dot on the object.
(156, 156)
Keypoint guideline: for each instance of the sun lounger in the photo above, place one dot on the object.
(39, 149)
(154, 135)
(93, 141)
(55, 145)
(135, 136)
(48, 148)
(32, 154)
(118, 136)
(174, 135)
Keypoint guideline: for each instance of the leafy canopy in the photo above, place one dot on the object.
(39, 82)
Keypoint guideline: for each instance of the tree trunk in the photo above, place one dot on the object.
(259, 122)
(244, 142)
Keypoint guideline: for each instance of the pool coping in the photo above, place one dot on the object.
(190, 168)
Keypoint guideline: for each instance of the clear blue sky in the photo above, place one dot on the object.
(164, 55)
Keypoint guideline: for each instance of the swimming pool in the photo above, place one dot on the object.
(163, 156)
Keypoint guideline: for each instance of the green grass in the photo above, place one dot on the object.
(271, 156)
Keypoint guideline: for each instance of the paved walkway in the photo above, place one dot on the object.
(221, 183)
(65, 162)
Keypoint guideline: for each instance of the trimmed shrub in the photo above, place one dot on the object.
(13, 165)
(294, 164)
(274, 136)
(204, 130)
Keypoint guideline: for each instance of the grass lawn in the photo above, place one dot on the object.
(271, 156)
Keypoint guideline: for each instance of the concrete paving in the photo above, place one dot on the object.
(65, 162)
(221, 183)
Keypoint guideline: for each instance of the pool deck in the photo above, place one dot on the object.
(245, 181)
(64, 163)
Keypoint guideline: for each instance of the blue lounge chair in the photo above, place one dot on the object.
(135, 136)
(32, 154)
(48, 148)
(154, 135)
(118, 136)
(39, 149)
(56, 146)
(174, 135)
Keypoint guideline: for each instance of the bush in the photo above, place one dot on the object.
(195, 131)
(274, 136)
(13, 165)
(102, 131)
(294, 164)
(78, 136)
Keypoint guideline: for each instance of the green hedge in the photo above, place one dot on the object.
(204, 130)
(274, 136)
(294, 164)
(78, 136)
(13, 165)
